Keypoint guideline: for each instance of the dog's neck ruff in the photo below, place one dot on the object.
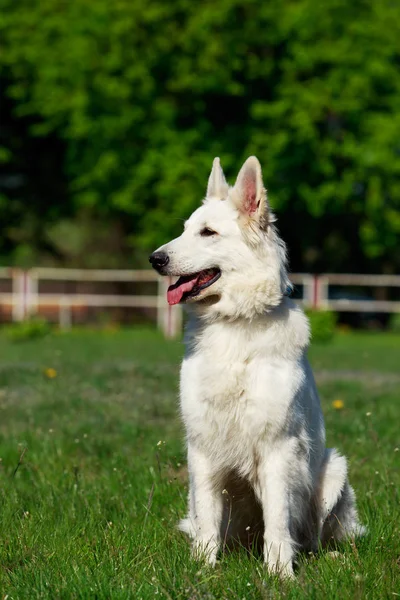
(240, 307)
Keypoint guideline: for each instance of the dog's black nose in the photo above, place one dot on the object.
(158, 260)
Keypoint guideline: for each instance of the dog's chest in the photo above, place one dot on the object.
(228, 396)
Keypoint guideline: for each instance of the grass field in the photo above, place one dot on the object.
(93, 480)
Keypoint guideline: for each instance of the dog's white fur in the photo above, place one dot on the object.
(255, 431)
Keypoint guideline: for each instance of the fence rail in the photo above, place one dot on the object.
(25, 296)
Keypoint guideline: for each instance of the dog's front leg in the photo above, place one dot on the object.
(273, 480)
(206, 504)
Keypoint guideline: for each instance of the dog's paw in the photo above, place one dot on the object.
(205, 551)
(283, 571)
(278, 558)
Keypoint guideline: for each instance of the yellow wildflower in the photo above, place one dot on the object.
(50, 373)
(338, 404)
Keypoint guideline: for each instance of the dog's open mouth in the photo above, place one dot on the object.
(189, 286)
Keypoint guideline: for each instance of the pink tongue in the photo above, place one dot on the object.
(176, 291)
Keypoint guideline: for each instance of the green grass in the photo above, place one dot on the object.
(93, 474)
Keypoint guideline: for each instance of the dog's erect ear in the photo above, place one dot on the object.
(249, 194)
(217, 186)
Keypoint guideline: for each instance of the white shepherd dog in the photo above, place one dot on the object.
(258, 465)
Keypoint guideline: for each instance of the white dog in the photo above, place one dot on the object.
(255, 431)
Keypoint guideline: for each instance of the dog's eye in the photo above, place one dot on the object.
(206, 232)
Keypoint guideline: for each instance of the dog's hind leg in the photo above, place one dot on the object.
(338, 518)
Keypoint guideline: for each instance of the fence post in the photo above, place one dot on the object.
(64, 313)
(15, 295)
(176, 329)
(323, 292)
(161, 300)
(33, 292)
(24, 294)
(173, 321)
(308, 290)
(169, 318)
(319, 299)
(18, 295)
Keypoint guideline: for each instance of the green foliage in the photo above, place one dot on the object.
(322, 323)
(394, 323)
(117, 108)
(31, 329)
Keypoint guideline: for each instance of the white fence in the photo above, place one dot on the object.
(25, 297)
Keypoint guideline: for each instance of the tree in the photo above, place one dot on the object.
(138, 97)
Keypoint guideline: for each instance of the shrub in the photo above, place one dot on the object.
(32, 328)
(394, 322)
(323, 323)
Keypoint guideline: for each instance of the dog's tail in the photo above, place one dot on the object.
(338, 518)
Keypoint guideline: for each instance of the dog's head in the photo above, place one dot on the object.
(229, 259)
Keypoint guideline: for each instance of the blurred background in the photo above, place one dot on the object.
(111, 114)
